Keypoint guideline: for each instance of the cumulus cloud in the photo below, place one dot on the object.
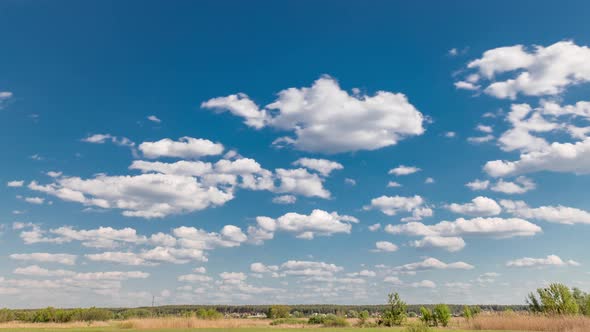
(404, 170)
(37, 271)
(448, 243)
(392, 205)
(385, 246)
(478, 184)
(551, 260)
(185, 147)
(284, 199)
(557, 157)
(15, 183)
(536, 72)
(322, 114)
(433, 264)
(318, 223)
(154, 118)
(66, 259)
(556, 214)
(491, 227)
(374, 227)
(479, 207)
(322, 166)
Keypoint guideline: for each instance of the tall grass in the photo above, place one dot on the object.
(527, 322)
(192, 322)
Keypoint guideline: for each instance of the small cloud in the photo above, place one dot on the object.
(154, 118)
(429, 181)
(450, 134)
(349, 181)
(15, 184)
(393, 184)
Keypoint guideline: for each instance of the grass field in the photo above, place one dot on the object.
(309, 329)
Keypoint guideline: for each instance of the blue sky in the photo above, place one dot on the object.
(233, 152)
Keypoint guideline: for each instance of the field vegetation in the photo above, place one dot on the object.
(553, 308)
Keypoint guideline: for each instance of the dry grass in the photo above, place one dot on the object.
(25, 325)
(527, 322)
(192, 322)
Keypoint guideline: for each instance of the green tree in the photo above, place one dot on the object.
(442, 314)
(363, 317)
(426, 316)
(278, 311)
(557, 299)
(396, 311)
(467, 313)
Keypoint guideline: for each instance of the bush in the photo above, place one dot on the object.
(328, 320)
(395, 314)
(426, 317)
(557, 299)
(442, 314)
(278, 311)
(6, 315)
(363, 317)
(287, 321)
(135, 313)
(208, 314)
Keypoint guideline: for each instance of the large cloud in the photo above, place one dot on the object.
(556, 214)
(432, 264)
(321, 115)
(318, 223)
(558, 157)
(479, 207)
(185, 147)
(540, 71)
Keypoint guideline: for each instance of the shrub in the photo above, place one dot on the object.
(442, 314)
(426, 317)
(363, 317)
(208, 314)
(395, 314)
(278, 311)
(328, 320)
(6, 315)
(287, 321)
(135, 313)
(557, 299)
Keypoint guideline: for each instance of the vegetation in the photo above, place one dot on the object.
(556, 299)
(278, 311)
(396, 312)
(329, 320)
(203, 313)
(287, 321)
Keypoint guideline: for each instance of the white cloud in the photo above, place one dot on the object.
(284, 199)
(34, 200)
(375, 227)
(196, 278)
(450, 134)
(464, 85)
(185, 147)
(479, 207)
(65, 259)
(392, 205)
(492, 227)
(300, 181)
(322, 114)
(154, 118)
(480, 139)
(318, 223)
(558, 157)
(15, 183)
(322, 166)
(484, 128)
(433, 264)
(385, 246)
(103, 138)
(423, 284)
(551, 260)
(35, 270)
(478, 185)
(520, 186)
(540, 71)
(556, 214)
(393, 184)
(4, 97)
(448, 243)
(404, 170)
(309, 268)
(429, 181)
(350, 181)
(393, 280)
